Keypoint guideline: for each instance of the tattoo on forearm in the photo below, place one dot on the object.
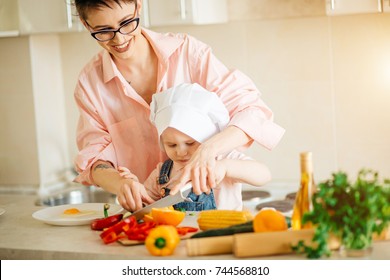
(102, 166)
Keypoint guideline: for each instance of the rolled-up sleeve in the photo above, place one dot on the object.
(93, 140)
(240, 96)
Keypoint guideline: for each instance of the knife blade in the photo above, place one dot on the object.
(164, 202)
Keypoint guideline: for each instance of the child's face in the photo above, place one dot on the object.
(178, 146)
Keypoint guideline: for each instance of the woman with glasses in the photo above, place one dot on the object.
(115, 89)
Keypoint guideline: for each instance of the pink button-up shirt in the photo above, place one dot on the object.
(114, 120)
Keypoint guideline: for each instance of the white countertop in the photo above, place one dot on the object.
(23, 237)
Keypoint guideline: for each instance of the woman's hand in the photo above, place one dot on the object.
(221, 170)
(131, 192)
(199, 170)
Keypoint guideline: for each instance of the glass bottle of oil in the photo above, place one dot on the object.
(303, 202)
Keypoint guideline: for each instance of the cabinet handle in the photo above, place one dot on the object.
(69, 14)
(333, 5)
(183, 12)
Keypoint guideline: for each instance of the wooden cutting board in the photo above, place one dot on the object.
(126, 242)
(189, 221)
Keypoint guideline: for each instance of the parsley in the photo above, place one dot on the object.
(351, 212)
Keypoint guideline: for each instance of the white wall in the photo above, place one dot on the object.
(49, 108)
(34, 141)
(18, 146)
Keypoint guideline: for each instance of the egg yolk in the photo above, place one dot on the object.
(71, 211)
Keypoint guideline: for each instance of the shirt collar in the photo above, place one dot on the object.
(109, 68)
(163, 45)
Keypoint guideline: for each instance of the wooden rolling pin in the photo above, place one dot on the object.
(217, 245)
(259, 244)
(243, 244)
(273, 243)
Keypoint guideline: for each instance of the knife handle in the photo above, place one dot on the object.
(185, 188)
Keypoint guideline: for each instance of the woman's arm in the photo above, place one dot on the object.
(129, 191)
(228, 139)
(245, 171)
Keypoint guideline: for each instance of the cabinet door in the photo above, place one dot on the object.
(178, 12)
(169, 12)
(9, 21)
(209, 11)
(42, 16)
(340, 7)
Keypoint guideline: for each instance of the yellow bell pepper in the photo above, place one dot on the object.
(162, 240)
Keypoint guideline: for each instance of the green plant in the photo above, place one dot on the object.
(351, 212)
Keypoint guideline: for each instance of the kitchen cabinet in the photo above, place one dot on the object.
(179, 12)
(26, 17)
(343, 7)
(9, 21)
(45, 16)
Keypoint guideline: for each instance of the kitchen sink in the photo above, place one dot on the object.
(77, 195)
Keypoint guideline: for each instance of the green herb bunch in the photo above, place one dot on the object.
(351, 212)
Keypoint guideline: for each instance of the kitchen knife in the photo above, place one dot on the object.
(165, 201)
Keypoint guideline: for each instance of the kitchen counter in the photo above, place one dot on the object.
(23, 237)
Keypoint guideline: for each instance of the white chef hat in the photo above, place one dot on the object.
(191, 109)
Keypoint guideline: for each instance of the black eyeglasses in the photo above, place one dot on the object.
(125, 28)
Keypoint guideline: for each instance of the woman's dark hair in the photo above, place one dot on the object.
(83, 6)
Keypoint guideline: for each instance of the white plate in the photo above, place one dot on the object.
(2, 211)
(89, 212)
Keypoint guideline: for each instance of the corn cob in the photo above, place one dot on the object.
(214, 219)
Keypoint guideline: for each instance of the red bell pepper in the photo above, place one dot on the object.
(185, 230)
(100, 224)
(140, 231)
(112, 233)
(129, 226)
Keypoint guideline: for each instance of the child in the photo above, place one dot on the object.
(185, 116)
